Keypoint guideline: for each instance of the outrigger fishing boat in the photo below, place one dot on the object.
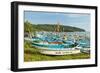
(55, 44)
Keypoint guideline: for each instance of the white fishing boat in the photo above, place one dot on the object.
(85, 50)
(28, 39)
(56, 49)
(59, 52)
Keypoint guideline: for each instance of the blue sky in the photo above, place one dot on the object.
(68, 19)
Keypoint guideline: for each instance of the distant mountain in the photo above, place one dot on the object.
(52, 27)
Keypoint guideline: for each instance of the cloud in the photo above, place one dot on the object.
(76, 15)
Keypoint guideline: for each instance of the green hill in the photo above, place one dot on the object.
(49, 27)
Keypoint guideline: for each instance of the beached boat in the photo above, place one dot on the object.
(59, 52)
(56, 49)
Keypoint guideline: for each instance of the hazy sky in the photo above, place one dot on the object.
(69, 19)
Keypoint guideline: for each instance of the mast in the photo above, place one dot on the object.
(63, 29)
(57, 28)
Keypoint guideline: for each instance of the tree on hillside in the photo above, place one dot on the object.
(28, 27)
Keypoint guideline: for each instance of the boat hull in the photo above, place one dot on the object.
(59, 52)
(86, 50)
(56, 51)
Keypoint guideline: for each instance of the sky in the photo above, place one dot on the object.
(79, 20)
